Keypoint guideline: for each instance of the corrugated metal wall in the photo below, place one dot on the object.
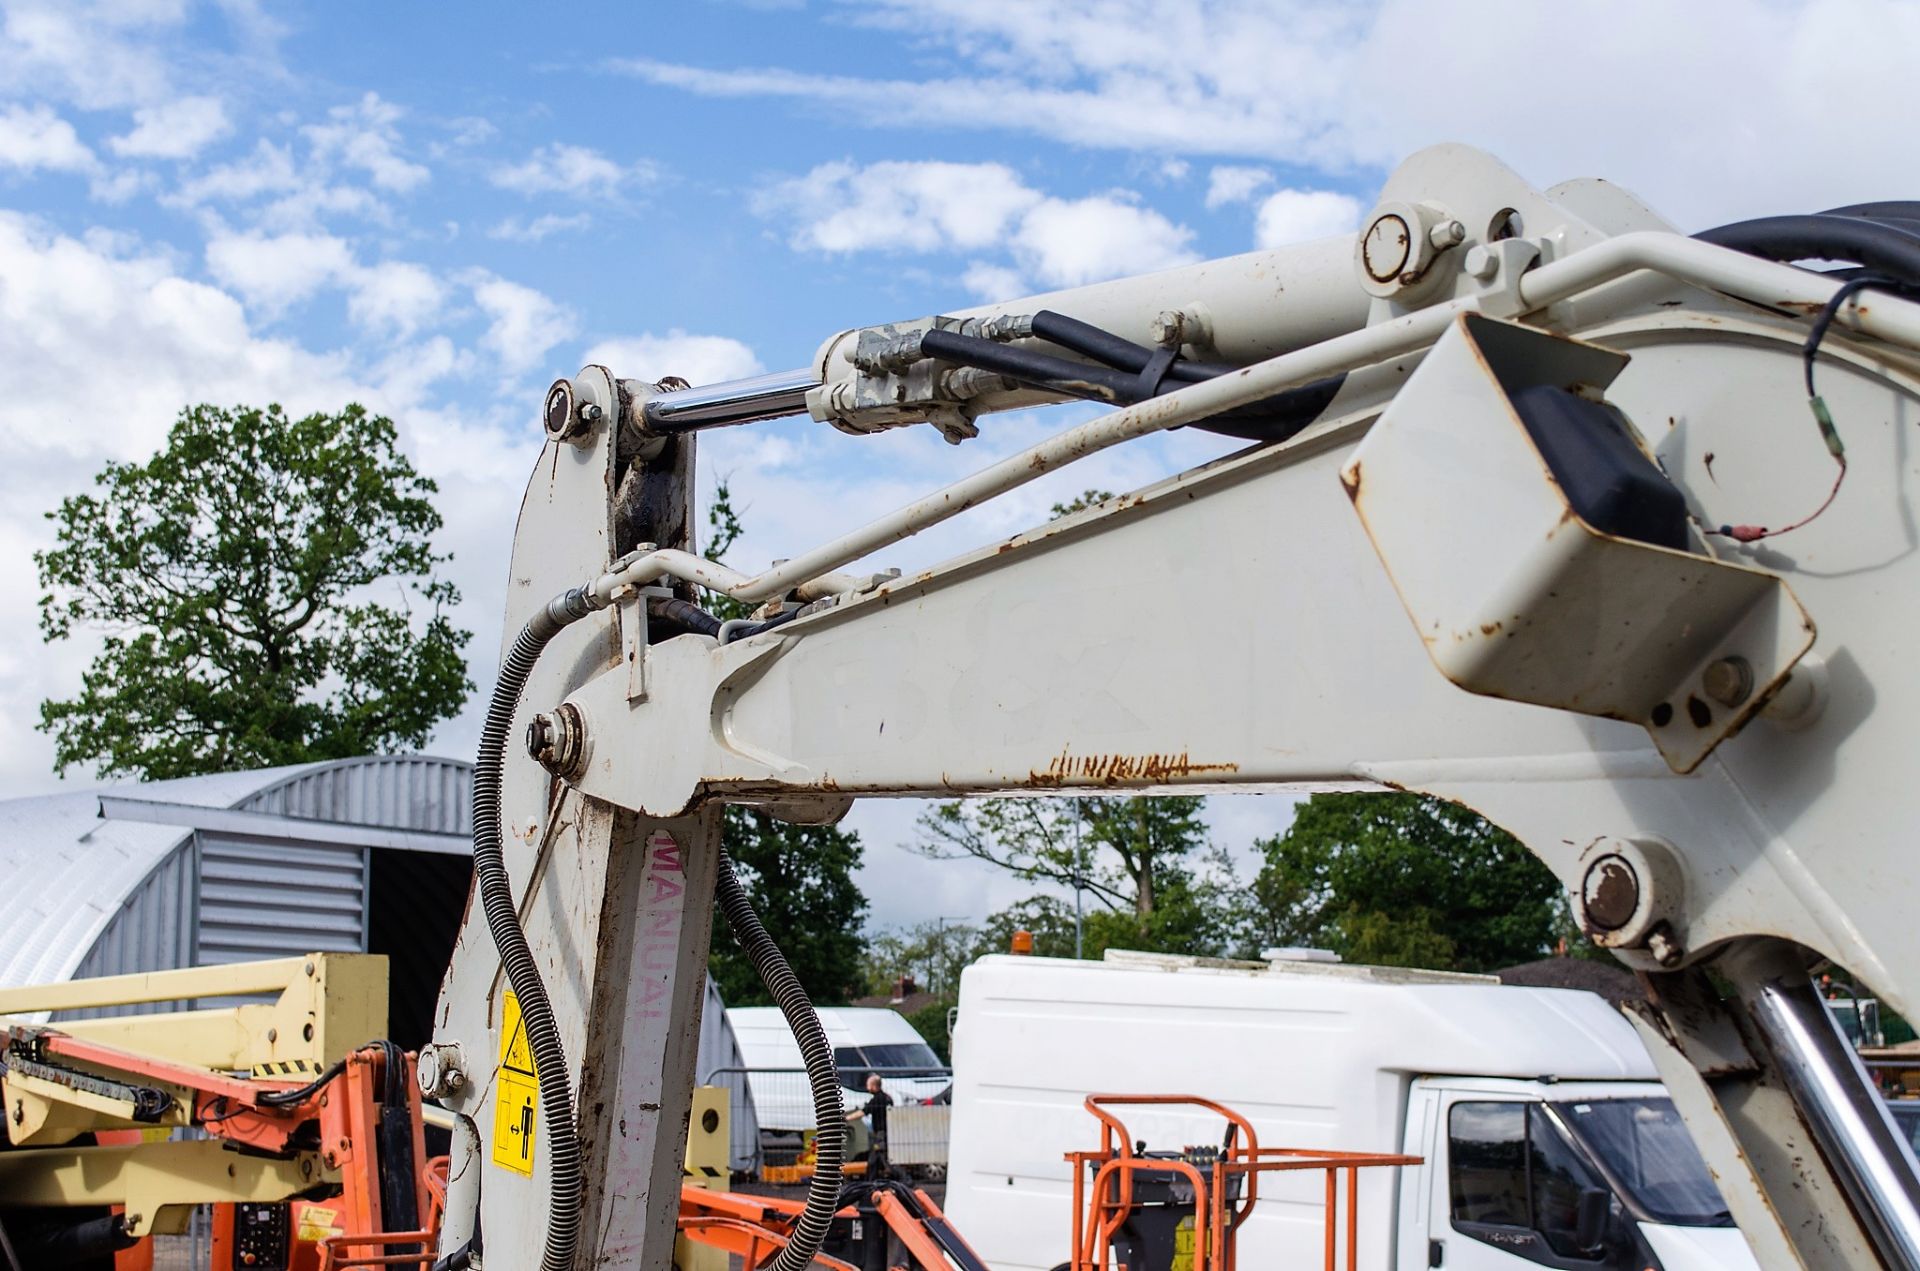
(276, 899)
(398, 792)
(154, 931)
(226, 898)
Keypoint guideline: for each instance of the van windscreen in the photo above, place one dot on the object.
(1645, 1146)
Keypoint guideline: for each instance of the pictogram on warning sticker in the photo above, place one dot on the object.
(516, 1094)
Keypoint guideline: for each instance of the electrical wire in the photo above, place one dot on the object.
(1822, 416)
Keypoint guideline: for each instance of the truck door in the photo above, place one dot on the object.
(1509, 1191)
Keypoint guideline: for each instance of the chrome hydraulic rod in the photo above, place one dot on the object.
(733, 402)
(1846, 1116)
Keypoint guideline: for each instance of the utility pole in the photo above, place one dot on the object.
(1079, 879)
(939, 961)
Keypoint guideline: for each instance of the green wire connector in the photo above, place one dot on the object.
(1828, 433)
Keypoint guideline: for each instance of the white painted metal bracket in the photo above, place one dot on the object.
(1515, 596)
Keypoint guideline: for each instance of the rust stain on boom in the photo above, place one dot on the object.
(1112, 770)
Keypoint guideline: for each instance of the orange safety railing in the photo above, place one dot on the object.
(1101, 1210)
(333, 1257)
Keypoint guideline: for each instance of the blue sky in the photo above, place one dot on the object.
(437, 209)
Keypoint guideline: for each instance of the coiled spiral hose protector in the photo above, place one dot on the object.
(823, 1192)
(562, 1141)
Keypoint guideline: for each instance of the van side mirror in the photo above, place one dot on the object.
(1590, 1217)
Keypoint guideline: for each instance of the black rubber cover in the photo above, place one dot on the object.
(1606, 477)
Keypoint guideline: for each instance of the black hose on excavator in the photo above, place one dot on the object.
(829, 1143)
(1885, 246)
(561, 1140)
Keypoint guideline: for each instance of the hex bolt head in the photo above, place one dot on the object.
(1610, 893)
(558, 740)
(1168, 328)
(1447, 234)
(1729, 681)
(540, 736)
(1482, 264)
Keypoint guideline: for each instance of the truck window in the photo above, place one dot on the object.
(1510, 1166)
(1487, 1163)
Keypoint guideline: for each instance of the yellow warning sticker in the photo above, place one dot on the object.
(516, 1094)
(316, 1223)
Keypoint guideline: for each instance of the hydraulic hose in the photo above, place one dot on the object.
(1116, 351)
(685, 614)
(503, 920)
(829, 1143)
(1872, 243)
(1272, 419)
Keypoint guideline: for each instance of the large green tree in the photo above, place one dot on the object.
(1406, 880)
(269, 593)
(800, 878)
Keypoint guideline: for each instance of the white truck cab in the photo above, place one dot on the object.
(1591, 1175)
(1546, 1138)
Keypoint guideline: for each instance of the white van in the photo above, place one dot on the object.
(1546, 1138)
(864, 1039)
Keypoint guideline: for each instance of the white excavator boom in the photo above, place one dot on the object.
(1510, 530)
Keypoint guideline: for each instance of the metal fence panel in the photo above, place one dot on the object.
(771, 1119)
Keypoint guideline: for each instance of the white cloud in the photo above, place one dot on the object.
(394, 297)
(900, 206)
(98, 56)
(178, 129)
(1069, 242)
(567, 169)
(1296, 216)
(34, 137)
(513, 230)
(1327, 84)
(269, 169)
(970, 207)
(698, 359)
(275, 271)
(1235, 183)
(364, 136)
(522, 323)
(993, 282)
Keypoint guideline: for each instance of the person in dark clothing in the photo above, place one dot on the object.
(875, 1112)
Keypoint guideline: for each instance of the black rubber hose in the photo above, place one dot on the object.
(1898, 210)
(1116, 351)
(778, 620)
(516, 959)
(1842, 238)
(282, 1098)
(1271, 419)
(686, 614)
(829, 1143)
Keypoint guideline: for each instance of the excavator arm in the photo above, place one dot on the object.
(1511, 529)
